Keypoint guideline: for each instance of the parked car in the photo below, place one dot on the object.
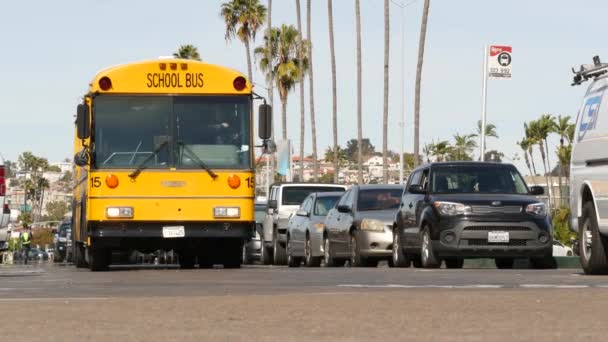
(359, 227)
(251, 249)
(456, 210)
(559, 249)
(37, 254)
(64, 243)
(5, 212)
(589, 170)
(307, 227)
(283, 202)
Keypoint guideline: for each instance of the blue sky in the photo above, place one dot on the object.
(51, 50)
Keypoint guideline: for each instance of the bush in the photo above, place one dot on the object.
(561, 226)
(43, 236)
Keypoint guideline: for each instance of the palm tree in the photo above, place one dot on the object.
(428, 150)
(442, 148)
(334, 90)
(546, 126)
(313, 125)
(269, 57)
(359, 96)
(243, 19)
(531, 141)
(425, 16)
(330, 155)
(540, 130)
(525, 146)
(284, 46)
(560, 127)
(187, 51)
(463, 145)
(301, 81)
(385, 106)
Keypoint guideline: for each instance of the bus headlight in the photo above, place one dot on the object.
(232, 212)
(119, 212)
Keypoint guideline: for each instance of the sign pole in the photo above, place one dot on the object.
(484, 96)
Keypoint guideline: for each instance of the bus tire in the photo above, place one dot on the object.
(98, 259)
(233, 254)
(79, 259)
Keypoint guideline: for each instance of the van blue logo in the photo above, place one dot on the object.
(589, 116)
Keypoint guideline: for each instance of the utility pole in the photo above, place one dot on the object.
(484, 96)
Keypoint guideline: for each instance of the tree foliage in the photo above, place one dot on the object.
(187, 51)
(352, 148)
(56, 210)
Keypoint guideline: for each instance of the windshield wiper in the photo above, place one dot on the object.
(143, 165)
(200, 163)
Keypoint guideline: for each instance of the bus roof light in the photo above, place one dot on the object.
(163, 66)
(173, 66)
(184, 66)
(105, 83)
(239, 83)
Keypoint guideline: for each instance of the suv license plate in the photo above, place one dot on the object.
(498, 237)
(174, 232)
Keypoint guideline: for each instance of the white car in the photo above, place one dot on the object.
(559, 249)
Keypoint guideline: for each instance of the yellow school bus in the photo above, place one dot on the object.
(164, 159)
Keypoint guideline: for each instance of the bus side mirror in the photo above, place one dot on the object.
(81, 158)
(265, 121)
(82, 122)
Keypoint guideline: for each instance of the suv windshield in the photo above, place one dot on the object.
(63, 230)
(295, 195)
(172, 131)
(379, 199)
(462, 179)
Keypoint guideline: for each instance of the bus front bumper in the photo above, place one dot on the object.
(145, 230)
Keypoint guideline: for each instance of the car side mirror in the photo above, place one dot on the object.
(416, 189)
(344, 209)
(81, 158)
(264, 121)
(302, 213)
(537, 190)
(272, 204)
(83, 126)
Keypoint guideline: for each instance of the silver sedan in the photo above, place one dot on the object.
(306, 228)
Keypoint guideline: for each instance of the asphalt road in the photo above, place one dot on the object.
(277, 303)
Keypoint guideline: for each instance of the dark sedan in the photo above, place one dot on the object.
(456, 210)
(359, 227)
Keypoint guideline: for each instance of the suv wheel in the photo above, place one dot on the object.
(593, 245)
(400, 259)
(427, 254)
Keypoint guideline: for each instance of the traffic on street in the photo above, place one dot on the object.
(442, 176)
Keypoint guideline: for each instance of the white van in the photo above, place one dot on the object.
(589, 170)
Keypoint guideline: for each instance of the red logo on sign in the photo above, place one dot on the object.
(496, 49)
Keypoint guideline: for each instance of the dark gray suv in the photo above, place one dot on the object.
(456, 210)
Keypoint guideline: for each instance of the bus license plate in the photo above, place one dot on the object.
(498, 237)
(173, 232)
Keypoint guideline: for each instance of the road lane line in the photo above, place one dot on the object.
(552, 286)
(430, 286)
(29, 299)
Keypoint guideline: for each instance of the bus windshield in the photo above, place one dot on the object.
(172, 131)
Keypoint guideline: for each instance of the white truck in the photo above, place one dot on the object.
(589, 170)
(283, 201)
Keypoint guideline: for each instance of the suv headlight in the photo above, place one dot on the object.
(372, 225)
(451, 209)
(537, 209)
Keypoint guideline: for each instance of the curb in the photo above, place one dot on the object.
(562, 262)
